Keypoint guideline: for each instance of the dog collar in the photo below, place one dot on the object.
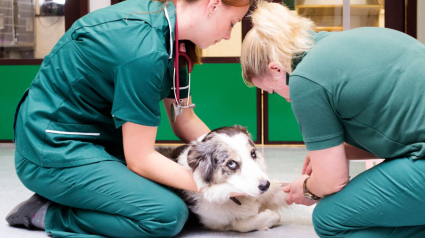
(236, 201)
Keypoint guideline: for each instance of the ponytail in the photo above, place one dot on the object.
(278, 35)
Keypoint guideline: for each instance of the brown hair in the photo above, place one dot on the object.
(193, 51)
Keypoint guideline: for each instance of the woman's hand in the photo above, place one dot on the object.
(296, 193)
(307, 169)
(238, 194)
(233, 194)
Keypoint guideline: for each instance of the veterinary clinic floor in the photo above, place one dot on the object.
(284, 163)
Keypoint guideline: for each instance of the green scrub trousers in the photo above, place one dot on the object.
(103, 198)
(384, 201)
(68, 132)
(365, 87)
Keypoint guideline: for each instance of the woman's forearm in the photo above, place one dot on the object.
(187, 127)
(160, 169)
(315, 186)
(142, 159)
(190, 128)
(330, 171)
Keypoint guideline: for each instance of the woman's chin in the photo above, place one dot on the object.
(204, 45)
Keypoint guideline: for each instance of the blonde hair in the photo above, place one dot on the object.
(277, 36)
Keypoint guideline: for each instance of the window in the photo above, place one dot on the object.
(328, 14)
(29, 29)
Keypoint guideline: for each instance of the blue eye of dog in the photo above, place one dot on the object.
(253, 154)
(232, 165)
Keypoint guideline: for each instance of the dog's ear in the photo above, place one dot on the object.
(201, 159)
(241, 128)
(244, 130)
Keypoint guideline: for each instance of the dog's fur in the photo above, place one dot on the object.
(225, 161)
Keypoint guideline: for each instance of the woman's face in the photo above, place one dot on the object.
(212, 29)
(272, 85)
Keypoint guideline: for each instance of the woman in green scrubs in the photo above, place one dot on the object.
(85, 130)
(357, 94)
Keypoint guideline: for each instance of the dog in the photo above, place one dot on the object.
(225, 161)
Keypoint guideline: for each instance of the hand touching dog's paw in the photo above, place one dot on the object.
(269, 219)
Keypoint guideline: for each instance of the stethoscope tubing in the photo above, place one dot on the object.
(180, 51)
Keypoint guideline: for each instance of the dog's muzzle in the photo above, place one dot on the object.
(264, 186)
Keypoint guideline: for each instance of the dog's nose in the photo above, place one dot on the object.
(264, 186)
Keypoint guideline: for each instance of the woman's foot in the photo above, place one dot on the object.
(25, 212)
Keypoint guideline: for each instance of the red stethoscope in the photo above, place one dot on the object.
(178, 106)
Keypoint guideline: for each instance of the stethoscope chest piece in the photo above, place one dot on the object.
(176, 110)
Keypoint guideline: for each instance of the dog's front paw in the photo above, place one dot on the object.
(269, 219)
(216, 194)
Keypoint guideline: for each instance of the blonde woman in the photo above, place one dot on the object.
(85, 130)
(357, 94)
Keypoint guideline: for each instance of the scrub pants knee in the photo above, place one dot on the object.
(387, 200)
(103, 199)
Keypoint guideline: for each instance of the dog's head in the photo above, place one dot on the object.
(228, 155)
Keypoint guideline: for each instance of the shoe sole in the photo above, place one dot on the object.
(23, 212)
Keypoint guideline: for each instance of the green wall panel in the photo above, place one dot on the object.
(221, 98)
(290, 4)
(13, 82)
(282, 125)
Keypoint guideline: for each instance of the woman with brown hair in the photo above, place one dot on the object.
(85, 130)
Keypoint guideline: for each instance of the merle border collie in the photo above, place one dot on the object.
(225, 161)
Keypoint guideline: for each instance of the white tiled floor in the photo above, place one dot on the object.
(284, 163)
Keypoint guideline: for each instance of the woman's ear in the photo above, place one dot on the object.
(276, 71)
(212, 5)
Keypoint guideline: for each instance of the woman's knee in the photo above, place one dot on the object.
(26, 171)
(324, 222)
(169, 221)
(177, 215)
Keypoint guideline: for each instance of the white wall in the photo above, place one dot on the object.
(227, 48)
(97, 4)
(48, 31)
(421, 21)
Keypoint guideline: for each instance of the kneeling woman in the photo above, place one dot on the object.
(85, 130)
(357, 94)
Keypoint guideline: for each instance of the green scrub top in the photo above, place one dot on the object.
(365, 87)
(113, 66)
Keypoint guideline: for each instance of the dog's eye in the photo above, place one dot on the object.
(232, 165)
(253, 154)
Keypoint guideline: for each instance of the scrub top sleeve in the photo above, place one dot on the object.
(312, 104)
(184, 82)
(138, 90)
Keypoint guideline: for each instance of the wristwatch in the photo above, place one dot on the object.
(307, 193)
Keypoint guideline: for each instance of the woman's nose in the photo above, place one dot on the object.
(228, 35)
